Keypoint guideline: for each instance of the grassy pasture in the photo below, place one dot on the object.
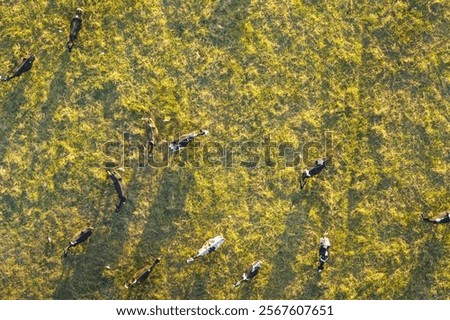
(366, 79)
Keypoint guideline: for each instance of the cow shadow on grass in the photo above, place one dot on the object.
(283, 261)
(86, 268)
(297, 226)
(225, 24)
(197, 288)
(10, 112)
(312, 289)
(423, 274)
(12, 116)
(161, 228)
(57, 93)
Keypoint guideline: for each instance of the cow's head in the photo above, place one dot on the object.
(258, 265)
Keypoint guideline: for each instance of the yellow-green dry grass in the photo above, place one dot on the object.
(374, 74)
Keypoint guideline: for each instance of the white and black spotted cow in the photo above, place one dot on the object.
(24, 66)
(120, 187)
(316, 169)
(75, 26)
(142, 274)
(80, 237)
(250, 273)
(210, 246)
(183, 141)
(442, 217)
(324, 252)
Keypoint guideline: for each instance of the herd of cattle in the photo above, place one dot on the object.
(214, 243)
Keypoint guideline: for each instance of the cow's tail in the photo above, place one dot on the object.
(303, 181)
(237, 284)
(66, 250)
(329, 157)
(119, 206)
(130, 284)
(321, 266)
(426, 219)
(2, 78)
(69, 46)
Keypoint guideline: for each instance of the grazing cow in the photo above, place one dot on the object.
(324, 252)
(183, 141)
(308, 173)
(142, 275)
(210, 246)
(80, 237)
(75, 27)
(25, 65)
(250, 273)
(442, 217)
(152, 133)
(120, 187)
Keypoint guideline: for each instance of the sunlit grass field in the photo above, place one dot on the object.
(366, 81)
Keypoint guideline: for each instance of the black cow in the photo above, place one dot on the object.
(142, 275)
(250, 273)
(25, 65)
(442, 217)
(183, 141)
(75, 27)
(120, 187)
(152, 133)
(308, 173)
(324, 252)
(80, 237)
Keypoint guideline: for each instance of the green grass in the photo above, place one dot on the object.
(373, 74)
